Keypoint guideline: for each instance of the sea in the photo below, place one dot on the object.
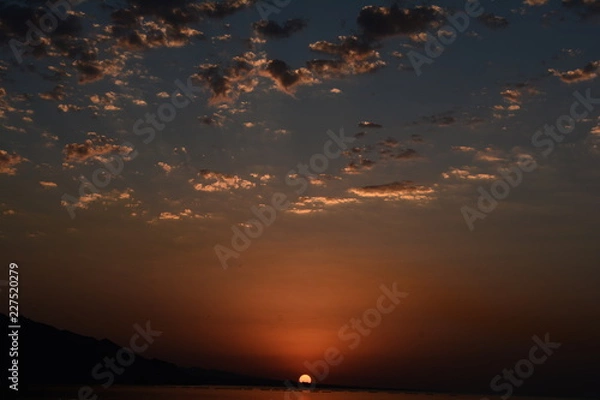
(241, 393)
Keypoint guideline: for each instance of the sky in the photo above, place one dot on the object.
(246, 175)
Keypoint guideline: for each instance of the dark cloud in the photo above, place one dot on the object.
(227, 83)
(8, 162)
(354, 56)
(406, 154)
(368, 124)
(585, 8)
(281, 73)
(405, 190)
(173, 12)
(273, 29)
(493, 21)
(91, 149)
(56, 94)
(357, 167)
(13, 19)
(167, 26)
(222, 9)
(89, 72)
(588, 72)
(439, 120)
(416, 138)
(389, 143)
(211, 120)
(378, 22)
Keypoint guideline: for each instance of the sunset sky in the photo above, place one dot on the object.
(394, 205)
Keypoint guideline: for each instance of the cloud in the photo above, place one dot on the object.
(212, 120)
(389, 143)
(285, 77)
(223, 9)
(357, 167)
(165, 167)
(440, 119)
(416, 138)
(589, 72)
(8, 162)
(226, 83)
(493, 21)
(89, 71)
(379, 22)
(535, 2)
(406, 154)
(511, 95)
(211, 181)
(310, 205)
(186, 214)
(463, 149)
(489, 154)
(48, 185)
(56, 94)
(405, 190)
(263, 178)
(151, 25)
(108, 198)
(514, 96)
(107, 102)
(92, 149)
(354, 56)
(588, 8)
(466, 173)
(367, 124)
(273, 29)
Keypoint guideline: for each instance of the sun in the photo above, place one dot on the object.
(305, 379)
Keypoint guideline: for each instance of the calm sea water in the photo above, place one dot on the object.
(227, 393)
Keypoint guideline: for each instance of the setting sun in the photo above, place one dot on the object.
(305, 379)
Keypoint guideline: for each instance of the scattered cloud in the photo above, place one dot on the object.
(92, 149)
(589, 72)
(379, 22)
(48, 185)
(493, 21)
(9, 161)
(274, 30)
(405, 190)
(210, 181)
(311, 205)
(466, 173)
(367, 124)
